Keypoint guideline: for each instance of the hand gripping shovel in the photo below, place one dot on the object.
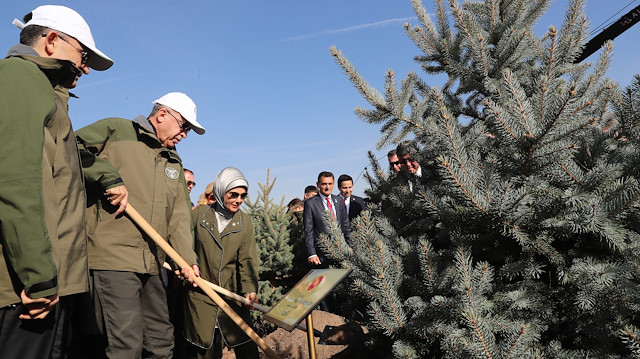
(242, 300)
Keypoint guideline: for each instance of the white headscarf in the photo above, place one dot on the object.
(227, 179)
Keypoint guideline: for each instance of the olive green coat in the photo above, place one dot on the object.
(129, 151)
(230, 260)
(43, 243)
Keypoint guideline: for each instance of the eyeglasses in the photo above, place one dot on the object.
(184, 125)
(396, 163)
(84, 54)
(234, 195)
(191, 183)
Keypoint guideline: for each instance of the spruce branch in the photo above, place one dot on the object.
(497, 114)
(366, 289)
(630, 336)
(538, 245)
(426, 42)
(554, 151)
(518, 337)
(573, 31)
(520, 98)
(565, 170)
(443, 21)
(446, 163)
(381, 318)
(427, 265)
(623, 193)
(476, 41)
(429, 198)
(386, 288)
(465, 270)
(368, 92)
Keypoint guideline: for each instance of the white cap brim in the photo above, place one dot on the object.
(68, 21)
(184, 105)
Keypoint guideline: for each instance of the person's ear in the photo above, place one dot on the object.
(161, 115)
(50, 42)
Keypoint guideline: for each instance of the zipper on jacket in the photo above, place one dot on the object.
(99, 206)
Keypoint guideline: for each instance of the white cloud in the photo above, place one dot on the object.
(351, 28)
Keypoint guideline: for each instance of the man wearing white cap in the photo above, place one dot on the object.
(43, 242)
(125, 264)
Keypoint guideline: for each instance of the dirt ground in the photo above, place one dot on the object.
(294, 345)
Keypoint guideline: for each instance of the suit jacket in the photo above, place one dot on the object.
(413, 181)
(356, 205)
(313, 214)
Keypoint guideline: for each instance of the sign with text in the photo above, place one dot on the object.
(304, 296)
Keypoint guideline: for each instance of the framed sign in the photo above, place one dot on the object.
(304, 296)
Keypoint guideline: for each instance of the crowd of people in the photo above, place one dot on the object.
(78, 278)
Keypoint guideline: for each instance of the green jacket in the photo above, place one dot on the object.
(230, 260)
(129, 151)
(42, 199)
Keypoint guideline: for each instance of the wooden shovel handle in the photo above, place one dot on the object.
(229, 294)
(146, 227)
(240, 299)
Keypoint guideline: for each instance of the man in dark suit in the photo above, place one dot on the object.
(314, 210)
(412, 172)
(354, 204)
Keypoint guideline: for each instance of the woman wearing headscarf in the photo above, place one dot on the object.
(228, 256)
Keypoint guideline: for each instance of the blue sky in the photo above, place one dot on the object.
(267, 89)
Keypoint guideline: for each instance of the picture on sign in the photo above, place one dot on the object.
(304, 296)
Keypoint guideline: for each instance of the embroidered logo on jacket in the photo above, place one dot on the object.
(171, 173)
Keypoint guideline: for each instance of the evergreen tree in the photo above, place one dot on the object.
(299, 249)
(524, 242)
(271, 226)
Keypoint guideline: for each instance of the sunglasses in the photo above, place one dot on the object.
(83, 54)
(184, 125)
(234, 195)
(396, 163)
(191, 183)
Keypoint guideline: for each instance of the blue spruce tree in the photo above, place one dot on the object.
(271, 225)
(522, 240)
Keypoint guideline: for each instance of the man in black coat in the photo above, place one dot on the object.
(354, 204)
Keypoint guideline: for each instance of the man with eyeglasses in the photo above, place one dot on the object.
(411, 169)
(190, 179)
(125, 265)
(43, 242)
(394, 162)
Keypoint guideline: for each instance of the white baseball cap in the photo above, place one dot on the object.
(63, 19)
(180, 102)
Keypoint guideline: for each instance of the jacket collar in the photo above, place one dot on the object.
(21, 49)
(145, 124)
(59, 72)
(210, 223)
(234, 226)
(323, 197)
(145, 128)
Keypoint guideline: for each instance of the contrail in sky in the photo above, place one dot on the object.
(351, 28)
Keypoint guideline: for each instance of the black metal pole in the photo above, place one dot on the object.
(610, 33)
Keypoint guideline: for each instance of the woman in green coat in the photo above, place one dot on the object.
(226, 248)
